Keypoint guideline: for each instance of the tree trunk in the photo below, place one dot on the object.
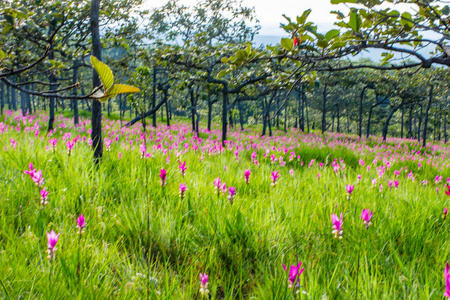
(241, 115)
(361, 98)
(209, 102)
(154, 97)
(96, 119)
(52, 79)
(401, 131)
(224, 114)
(324, 106)
(338, 124)
(388, 120)
(76, 118)
(368, 121)
(425, 123)
(2, 97)
(13, 99)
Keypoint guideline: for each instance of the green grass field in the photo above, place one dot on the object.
(143, 240)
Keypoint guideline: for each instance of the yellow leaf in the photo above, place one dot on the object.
(104, 72)
(119, 89)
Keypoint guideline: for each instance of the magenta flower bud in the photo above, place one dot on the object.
(445, 213)
(337, 226)
(247, 176)
(231, 193)
(183, 168)
(366, 215)
(163, 176)
(204, 284)
(349, 188)
(294, 274)
(81, 223)
(44, 196)
(52, 239)
(183, 189)
(447, 281)
(274, 177)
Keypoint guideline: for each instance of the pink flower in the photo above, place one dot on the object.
(294, 274)
(366, 215)
(217, 183)
(44, 196)
(337, 226)
(318, 176)
(291, 172)
(448, 190)
(359, 177)
(447, 281)
(70, 145)
(231, 193)
(183, 189)
(204, 284)
(183, 168)
(36, 176)
(223, 188)
(81, 223)
(163, 176)
(52, 239)
(274, 177)
(349, 188)
(247, 176)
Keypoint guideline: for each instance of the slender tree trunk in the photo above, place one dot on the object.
(307, 111)
(445, 128)
(388, 120)
(401, 131)
(2, 97)
(264, 118)
(241, 115)
(224, 114)
(154, 97)
(13, 99)
(420, 123)
(361, 98)
(75, 92)
(368, 121)
(338, 117)
(209, 102)
(96, 120)
(324, 106)
(52, 79)
(440, 121)
(425, 123)
(285, 117)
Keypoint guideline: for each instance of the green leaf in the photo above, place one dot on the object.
(104, 72)
(224, 59)
(338, 44)
(405, 20)
(248, 50)
(2, 54)
(118, 89)
(331, 34)
(222, 73)
(446, 10)
(322, 43)
(355, 21)
(287, 44)
(302, 19)
(241, 54)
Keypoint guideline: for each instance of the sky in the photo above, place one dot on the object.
(270, 13)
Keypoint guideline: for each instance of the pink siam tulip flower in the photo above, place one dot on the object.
(183, 168)
(396, 183)
(291, 172)
(349, 188)
(274, 177)
(231, 194)
(119, 156)
(44, 196)
(52, 239)
(204, 284)
(143, 149)
(318, 176)
(337, 226)
(366, 215)
(217, 184)
(183, 189)
(390, 184)
(359, 177)
(13, 144)
(81, 223)
(70, 144)
(224, 188)
(445, 213)
(53, 143)
(447, 281)
(438, 179)
(163, 176)
(294, 274)
(247, 176)
(35, 175)
(447, 192)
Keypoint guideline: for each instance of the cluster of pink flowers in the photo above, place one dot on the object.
(38, 179)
